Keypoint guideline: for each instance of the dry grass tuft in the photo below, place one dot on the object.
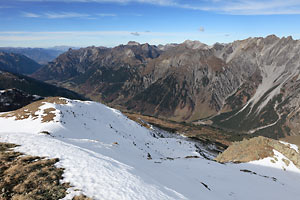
(81, 197)
(30, 110)
(30, 177)
(139, 120)
(48, 115)
(202, 133)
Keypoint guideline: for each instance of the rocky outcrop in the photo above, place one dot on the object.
(256, 149)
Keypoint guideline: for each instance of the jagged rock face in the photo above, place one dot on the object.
(75, 63)
(259, 148)
(101, 73)
(248, 86)
(270, 107)
(13, 99)
(17, 63)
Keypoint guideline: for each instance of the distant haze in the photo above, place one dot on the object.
(81, 23)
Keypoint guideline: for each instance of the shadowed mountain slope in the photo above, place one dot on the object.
(17, 63)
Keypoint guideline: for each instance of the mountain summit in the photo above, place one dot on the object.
(253, 83)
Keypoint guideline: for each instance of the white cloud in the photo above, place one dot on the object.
(135, 33)
(31, 15)
(27, 38)
(107, 15)
(266, 7)
(60, 15)
(248, 7)
(53, 15)
(156, 2)
(233, 7)
(11, 35)
(103, 38)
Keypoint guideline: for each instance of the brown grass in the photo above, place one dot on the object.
(30, 110)
(138, 120)
(81, 197)
(24, 177)
(29, 177)
(48, 115)
(203, 133)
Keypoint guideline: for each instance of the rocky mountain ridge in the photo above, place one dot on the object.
(248, 86)
(17, 63)
(39, 55)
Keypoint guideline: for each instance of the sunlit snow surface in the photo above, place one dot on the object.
(105, 157)
(293, 146)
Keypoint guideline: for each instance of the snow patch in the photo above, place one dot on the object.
(108, 156)
(277, 161)
(293, 146)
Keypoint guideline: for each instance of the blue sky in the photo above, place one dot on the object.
(45, 23)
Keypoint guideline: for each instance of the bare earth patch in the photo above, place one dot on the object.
(24, 177)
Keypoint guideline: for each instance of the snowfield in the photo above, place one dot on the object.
(108, 156)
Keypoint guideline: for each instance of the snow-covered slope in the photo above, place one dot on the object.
(108, 156)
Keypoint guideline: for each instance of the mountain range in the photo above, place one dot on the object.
(17, 63)
(181, 106)
(39, 55)
(17, 89)
(248, 86)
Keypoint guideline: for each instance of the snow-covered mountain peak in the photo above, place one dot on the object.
(86, 120)
(108, 156)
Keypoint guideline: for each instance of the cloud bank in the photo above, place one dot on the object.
(232, 7)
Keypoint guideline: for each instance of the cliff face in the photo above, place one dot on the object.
(269, 104)
(249, 85)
